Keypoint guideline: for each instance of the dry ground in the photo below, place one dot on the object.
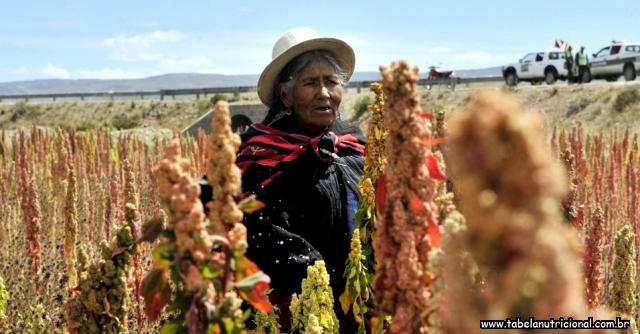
(593, 106)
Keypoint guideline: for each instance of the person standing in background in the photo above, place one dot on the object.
(583, 61)
(568, 57)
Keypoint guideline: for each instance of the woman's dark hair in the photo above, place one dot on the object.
(289, 74)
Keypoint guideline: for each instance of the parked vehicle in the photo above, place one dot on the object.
(440, 77)
(435, 74)
(616, 59)
(536, 67)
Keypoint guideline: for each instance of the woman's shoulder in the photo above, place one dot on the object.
(341, 127)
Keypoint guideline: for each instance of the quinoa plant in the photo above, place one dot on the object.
(101, 301)
(510, 192)
(407, 227)
(357, 289)
(267, 322)
(312, 310)
(358, 273)
(622, 297)
(4, 300)
(593, 259)
(202, 275)
(70, 231)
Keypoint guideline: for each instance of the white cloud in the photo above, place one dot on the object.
(144, 46)
(54, 71)
(441, 49)
(224, 52)
(384, 48)
(193, 64)
(447, 57)
(110, 73)
(145, 39)
(188, 62)
(244, 9)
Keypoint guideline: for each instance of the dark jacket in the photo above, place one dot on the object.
(308, 215)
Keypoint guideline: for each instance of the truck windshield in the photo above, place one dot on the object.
(528, 58)
(603, 52)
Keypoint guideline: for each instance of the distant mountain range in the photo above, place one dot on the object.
(173, 81)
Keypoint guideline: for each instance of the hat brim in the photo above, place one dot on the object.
(342, 51)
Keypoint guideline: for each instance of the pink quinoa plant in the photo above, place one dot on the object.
(32, 218)
(407, 229)
(70, 228)
(593, 259)
(510, 188)
(223, 174)
(572, 211)
(208, 270)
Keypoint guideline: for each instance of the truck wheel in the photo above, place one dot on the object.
(629, 72)
(586, 77)
(550, 76)
(511, 79)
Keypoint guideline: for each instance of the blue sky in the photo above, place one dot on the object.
(135, 38)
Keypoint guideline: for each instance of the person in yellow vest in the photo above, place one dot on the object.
(568, 58)
(583, 61)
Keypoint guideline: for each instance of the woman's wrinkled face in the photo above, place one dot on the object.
(315, 97)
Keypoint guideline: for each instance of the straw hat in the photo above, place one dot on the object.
(294, 43)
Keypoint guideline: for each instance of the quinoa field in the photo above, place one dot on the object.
(476, 205)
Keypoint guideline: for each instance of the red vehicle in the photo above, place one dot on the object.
(435, 74)
(440, 78)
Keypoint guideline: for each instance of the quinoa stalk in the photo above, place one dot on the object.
(312, 310)
(511, 189)
(622, 295)
(360, 263)
(101, 301)
(406, 230)
(593, 259)
(71, 224)
(209, 271)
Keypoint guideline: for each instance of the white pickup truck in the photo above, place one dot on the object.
(535, 67)
(619, 58)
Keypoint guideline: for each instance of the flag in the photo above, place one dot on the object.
(559, 43)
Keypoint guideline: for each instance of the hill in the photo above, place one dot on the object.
(155, 83)
(169, 81)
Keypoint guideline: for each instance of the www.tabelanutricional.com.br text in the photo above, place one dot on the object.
(560, 323)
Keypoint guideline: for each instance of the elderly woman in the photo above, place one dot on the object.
(304, 163)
